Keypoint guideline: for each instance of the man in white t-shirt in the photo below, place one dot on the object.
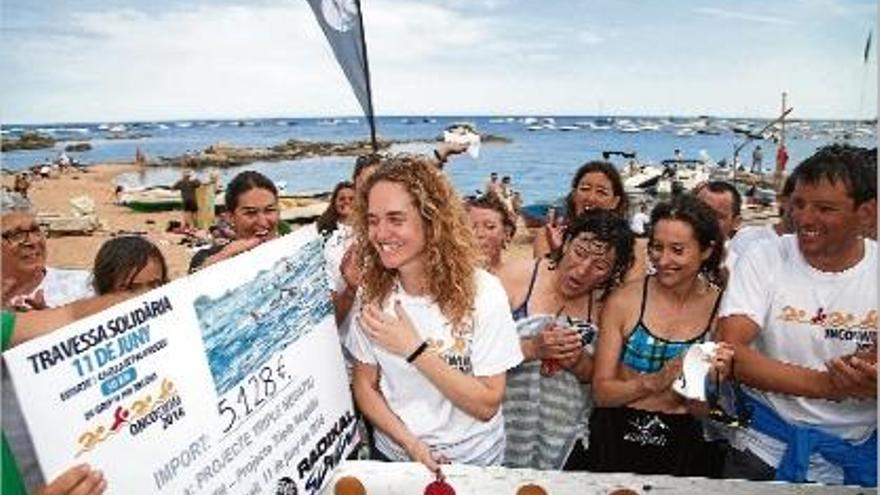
(801, 313)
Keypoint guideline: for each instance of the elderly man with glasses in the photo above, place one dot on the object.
(29, 284)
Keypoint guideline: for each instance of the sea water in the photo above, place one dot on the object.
(540, 162)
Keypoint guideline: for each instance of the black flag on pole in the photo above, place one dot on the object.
(868, 46)
(342, 23)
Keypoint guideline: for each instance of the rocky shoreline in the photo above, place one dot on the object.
(220, 155)
(27, 141)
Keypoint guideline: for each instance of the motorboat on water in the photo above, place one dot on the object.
(638, 178)
(681, 175)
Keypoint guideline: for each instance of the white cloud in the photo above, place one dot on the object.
(205, 60)
(744, 16)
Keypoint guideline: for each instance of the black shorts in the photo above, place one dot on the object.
(634, 441)
(190, 205)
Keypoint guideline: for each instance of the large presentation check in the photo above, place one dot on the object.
(227, 381)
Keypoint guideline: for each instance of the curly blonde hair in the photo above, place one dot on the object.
(450, 245)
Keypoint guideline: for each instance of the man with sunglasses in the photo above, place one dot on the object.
(801, 313)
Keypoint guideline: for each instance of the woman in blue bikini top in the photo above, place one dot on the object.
(648, 325)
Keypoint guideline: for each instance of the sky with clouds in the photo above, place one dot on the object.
(119, 60)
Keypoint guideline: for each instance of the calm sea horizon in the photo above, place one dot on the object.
(540, 162)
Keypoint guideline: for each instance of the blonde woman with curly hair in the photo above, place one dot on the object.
(433, 337)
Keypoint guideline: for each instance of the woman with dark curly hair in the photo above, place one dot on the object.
(433, 337)
(641, 425)
(557, 303)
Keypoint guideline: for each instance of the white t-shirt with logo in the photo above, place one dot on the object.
(487, 347)
(806, 317)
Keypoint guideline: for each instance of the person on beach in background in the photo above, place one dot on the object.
(251, 201)
(677, 156)
(433, 337)
(506, 192)
(801, 313)
(641, 425)
(129, 263)
(187, 186)
(139, 158)
(493, 186)
(334, 225)
(757, 159)
(558, 301)
(750, 235)
(639, 220)
(494, 226)
(516, 203)
(21, 184)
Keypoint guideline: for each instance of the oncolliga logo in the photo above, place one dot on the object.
(286, 486)
(327, 452)
(164, 409)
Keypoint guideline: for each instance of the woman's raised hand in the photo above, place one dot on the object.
(554, 232)
(396, 334)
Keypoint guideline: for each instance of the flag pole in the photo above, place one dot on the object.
(370, 117)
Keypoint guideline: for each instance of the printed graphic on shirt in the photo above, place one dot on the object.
(457, 351)
(837, 325)
(647, 430)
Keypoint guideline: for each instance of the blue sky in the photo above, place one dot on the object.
(116, 60)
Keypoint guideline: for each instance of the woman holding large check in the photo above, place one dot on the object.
(252, 205)
(433, 337)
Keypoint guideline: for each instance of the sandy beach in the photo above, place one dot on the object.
(78, 251)
(54, 195)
